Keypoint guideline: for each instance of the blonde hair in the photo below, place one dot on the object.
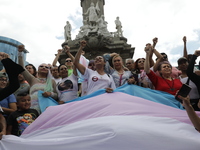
(116, 57)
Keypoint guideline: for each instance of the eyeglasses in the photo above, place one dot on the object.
(63, 68)
(44, 67)
(68, 61)
(3, 80)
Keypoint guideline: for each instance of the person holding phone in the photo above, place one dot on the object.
(190, 111)
(190, 72)
(194, 94)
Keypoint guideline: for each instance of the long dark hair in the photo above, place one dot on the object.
(137, 70)
(35, 71)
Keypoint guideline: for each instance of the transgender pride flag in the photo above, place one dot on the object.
(131, 118)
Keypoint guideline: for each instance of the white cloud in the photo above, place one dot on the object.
(37, 24)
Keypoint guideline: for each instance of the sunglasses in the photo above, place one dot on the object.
(68, 61)
(63, 68)
(140, 61)
(22, 94)
(44, 67)
(28, 67)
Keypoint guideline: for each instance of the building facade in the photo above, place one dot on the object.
(9, 46)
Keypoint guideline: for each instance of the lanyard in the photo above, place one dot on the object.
(120, 79)
(171, 87)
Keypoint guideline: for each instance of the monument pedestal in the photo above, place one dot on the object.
(94, 32)
(97, 45)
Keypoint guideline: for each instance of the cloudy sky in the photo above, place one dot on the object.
(39, 24)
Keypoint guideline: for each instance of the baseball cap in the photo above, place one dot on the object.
(3, 74)
(182, 59)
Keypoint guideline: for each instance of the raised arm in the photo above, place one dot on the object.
(155, 41)
(67, 50)
(159, 59)
(56, 58)
(13, 70)
(193, 76)
(79, 66)
(185, 54)
(108, 67)
(191, 113)
(158, 55)
(28, 77)
(148, 50)
(54, 94)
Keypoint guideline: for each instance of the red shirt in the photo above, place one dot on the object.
(175, 73)
(161, 84)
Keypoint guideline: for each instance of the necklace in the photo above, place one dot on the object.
(120, 72)
(42, 80)
(171, 88)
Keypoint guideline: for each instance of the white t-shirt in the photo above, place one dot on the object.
(194, 94)
(67, 88)
(85, 63)
(57, 80)
(97, 81)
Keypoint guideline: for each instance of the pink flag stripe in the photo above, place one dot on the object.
(111, 104)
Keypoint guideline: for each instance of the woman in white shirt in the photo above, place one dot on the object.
(97, 79)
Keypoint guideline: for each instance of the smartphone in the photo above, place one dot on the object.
(184, 91)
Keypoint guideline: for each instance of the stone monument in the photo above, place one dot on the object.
(94, 31)
(67, 33)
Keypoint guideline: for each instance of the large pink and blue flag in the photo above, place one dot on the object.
(130, 118)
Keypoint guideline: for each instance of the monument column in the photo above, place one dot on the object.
(94, 31)
(85, 4)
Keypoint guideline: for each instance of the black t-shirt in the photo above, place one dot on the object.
(21, 119)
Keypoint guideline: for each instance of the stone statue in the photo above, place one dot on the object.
(68, 29)
(84, 30)
(118, 27)
(92, 13)
(102, 27)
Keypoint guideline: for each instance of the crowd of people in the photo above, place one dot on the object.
(78, 76)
